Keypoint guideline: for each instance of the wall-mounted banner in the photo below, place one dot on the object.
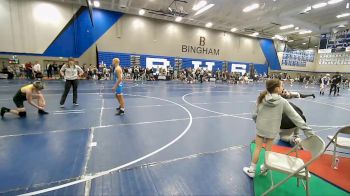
(337, 42)
(201, 49)
(297, 57)
(166, 61)
(324, 51)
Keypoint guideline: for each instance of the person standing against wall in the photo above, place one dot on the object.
(29, 74)
(118, 86)
(49, 70)
(37, 70)
(71, 73)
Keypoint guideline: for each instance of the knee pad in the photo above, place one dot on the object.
(22, 114)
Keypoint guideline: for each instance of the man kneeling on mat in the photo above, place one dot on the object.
(27, 93)
(289, 131)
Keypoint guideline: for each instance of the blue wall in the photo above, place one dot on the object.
(270, 53)
(79, 35)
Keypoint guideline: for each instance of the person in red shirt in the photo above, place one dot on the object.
(29, 74)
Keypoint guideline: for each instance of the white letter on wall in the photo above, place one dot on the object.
(196, 64)
(240, 68)
(160, 63)
(210, 65)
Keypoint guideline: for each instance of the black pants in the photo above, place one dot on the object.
(67, 86)
(49, 73)
(336, 88)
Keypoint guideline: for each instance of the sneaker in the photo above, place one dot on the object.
(313, 95)
(3, 111)
(120, 112)
(118, 108)
(247, 171)
(62, 106)
(42, 112)
(76, 104)
(322, 93)
(263, 170)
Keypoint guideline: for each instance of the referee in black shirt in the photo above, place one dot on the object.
(335, 83)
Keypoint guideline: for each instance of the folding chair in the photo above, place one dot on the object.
(340, 142)
(294, 166)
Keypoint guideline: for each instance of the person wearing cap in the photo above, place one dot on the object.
(71, 73)
(324, 83)
(28, 93)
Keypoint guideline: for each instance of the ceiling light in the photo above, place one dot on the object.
(319, 5)
(304, 43)
(286, 26)
(305, 32)
(279, 37)
(142, 12)
(296, 28)
(209, 24)
(347, 5)
(178, 19)
(234, 29)
(199, 5)
(341, 26)
(204, 9)
(343, 15)
(334, 1)
(307, 9)
(316, 46)
(251, 7)
(255, 34)
(290, 40)
(97, 3)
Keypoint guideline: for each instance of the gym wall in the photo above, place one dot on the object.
(140, 35)
(29, 26)
(31, 36)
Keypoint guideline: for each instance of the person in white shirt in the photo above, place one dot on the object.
(37, 70)
(71, 73)
(325, 80)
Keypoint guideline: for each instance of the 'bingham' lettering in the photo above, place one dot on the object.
(200, 50)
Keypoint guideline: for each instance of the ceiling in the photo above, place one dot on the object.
(227, 14)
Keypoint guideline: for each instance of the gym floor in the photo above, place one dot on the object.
(174, 139)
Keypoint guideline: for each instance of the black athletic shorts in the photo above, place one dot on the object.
(19, 98)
